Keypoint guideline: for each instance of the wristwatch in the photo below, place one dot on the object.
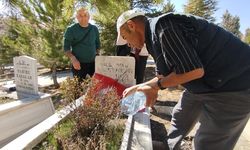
(159, 84)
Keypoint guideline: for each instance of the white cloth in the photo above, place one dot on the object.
(143, 52)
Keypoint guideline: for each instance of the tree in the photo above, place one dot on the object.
(169, 7)
(147, 5)
(8, 2)
(8, 8)
(202, 8)
(40, 30)
(107, 14)
(6, 53)
(247, 36)
(231, 23)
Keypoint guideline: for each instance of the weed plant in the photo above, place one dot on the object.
(95, 125)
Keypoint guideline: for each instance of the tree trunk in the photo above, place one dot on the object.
(54, 76)
(1, 70)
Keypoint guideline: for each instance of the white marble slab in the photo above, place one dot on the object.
(19, 116)
(36, 134)
(25, 70)
(120, 68)
(137, 134)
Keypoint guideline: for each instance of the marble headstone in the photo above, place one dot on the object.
(26, 80)
(120, 68)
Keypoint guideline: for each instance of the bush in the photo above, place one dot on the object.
(89, 125)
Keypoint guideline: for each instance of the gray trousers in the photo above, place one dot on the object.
(222, 118)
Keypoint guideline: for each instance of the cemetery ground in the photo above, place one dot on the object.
(76, 124)
(160, 120)
(158, 124)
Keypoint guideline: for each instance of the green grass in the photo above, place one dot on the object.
(114, 136)
(63, 130)
(112, 133)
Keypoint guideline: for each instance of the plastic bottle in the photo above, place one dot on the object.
(133, 103)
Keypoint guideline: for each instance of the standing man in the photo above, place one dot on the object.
(82, 44)
(211, 63)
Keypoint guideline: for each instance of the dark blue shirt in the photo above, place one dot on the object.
(181, 43)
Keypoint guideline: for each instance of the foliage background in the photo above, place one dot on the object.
(36, 27)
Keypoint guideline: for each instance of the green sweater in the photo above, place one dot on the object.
(82, 41)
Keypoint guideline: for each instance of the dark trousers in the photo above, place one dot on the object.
(140, 66)
(222, 118)
(86, 68)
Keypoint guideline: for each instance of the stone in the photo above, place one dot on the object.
(25, 70)
(120, 68)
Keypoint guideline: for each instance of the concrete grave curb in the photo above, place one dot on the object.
(19, 116)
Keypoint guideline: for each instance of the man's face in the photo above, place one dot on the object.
(131, 34)
(83, 17)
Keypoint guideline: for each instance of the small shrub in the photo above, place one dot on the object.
(71, 89)
(113, 134)
(88, 126)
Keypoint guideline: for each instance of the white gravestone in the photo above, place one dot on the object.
(25, 70)
(120, 68)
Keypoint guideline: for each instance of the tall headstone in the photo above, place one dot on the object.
(120, 68)
(25, 70)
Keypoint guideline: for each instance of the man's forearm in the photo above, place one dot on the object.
(174, 79)
(70, 55)
(76, 64)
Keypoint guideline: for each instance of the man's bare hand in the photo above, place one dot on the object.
(76, 63)
(150, 92)
(129, 90)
